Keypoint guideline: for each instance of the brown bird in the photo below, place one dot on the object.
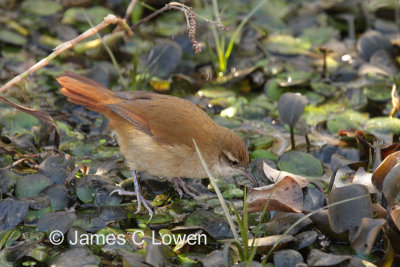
(156, 132)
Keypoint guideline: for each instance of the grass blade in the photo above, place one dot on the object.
(220, 197)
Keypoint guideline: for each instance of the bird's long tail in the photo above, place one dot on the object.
(86, 92)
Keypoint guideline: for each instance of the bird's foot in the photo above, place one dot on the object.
(138, 194)
(140, 199)
(123, 192)
(181, 187)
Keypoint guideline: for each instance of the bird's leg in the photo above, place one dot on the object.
(138, 194)
(180, 186)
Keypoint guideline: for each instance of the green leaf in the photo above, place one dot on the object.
(41, 7)
(293, 78)
(287, 45)
(383, 125)
(31, 185)
(17, 121)
(300, 163)
(232, 192)
(318, 35)
(263, 154)
(273, 90)
(77, 14)
(262, 142)
(342, 123)
(10, 37)
(324, 88)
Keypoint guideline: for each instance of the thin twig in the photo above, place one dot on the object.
(14, 153)
(17, 162)
(128, 13)
(74, 171)
(129, 9)
(109, 19)
(149, 17)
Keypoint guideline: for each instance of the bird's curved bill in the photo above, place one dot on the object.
(250, 176)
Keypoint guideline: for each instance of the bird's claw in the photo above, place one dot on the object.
(140, 199)
(181, 187)
(123, 192)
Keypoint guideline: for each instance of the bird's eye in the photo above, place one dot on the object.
(234, 163)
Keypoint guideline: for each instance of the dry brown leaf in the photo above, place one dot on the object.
(384, 168)
(264, 244)
(391, 185)
(276, 176)
(286, 195)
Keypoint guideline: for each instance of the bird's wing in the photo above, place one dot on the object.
(170, 120)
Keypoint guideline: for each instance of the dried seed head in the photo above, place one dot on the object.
(191, 18)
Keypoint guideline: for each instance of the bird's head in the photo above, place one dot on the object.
(233, 157)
